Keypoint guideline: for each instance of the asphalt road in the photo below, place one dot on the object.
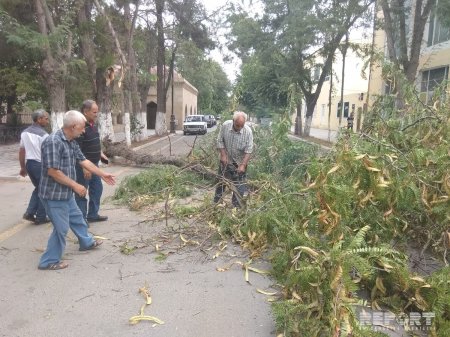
(98, 293)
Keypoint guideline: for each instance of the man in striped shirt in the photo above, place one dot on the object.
(90, 145)
(30, 163)
(235, 144)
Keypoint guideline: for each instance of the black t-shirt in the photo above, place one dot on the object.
(90, 143)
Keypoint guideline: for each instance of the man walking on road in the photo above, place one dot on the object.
(60, 153)
(90, 145)
(30, 163)
(235, 144)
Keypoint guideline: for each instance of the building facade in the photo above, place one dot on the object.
(328, 113)
(434, 59)
(182, 94)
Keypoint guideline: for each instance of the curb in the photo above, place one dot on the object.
(310, 142)
(137, 148)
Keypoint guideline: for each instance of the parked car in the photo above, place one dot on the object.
(195, 124)
(210, 120)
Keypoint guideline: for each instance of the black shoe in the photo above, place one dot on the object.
(98, 219)
(41, 221)
(29, 217)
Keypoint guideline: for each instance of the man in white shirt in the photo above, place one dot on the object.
(30, 163)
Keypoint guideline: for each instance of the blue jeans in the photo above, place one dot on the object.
(64, 214)
(95, 189)
(35, 206)
(239, 181)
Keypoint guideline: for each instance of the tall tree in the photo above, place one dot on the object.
(19, 66)
(87, 46)
(300, 39)
(160, 124)
(186, 24)
(404, 36)
(207, 76)
(55, 26)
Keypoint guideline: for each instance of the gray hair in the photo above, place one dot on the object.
(37, 114)
(87, 105)
(237, 114)
(73, 117)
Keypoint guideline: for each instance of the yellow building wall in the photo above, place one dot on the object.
(355, 92)
(432, 57)
(185, 97)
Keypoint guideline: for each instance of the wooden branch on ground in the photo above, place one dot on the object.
(120, 149)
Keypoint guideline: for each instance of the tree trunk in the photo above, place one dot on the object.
(54, 66)
(344, 54)
(160, 125)
(87, 44)
(298, 120)
(330, 96)
(131, 78)
(311, 101)
(308, 122)
(405, 60)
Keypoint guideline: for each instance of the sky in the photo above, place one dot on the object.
(231, 69)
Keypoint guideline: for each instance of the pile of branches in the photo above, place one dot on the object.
(343, 224)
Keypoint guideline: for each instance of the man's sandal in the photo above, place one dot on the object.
(94, 245)
(54, 266)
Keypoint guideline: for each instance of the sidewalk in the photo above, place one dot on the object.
(9, 162)
(322, 134)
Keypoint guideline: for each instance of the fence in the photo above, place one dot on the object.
(10, 134)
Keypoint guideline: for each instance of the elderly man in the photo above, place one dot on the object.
(60, 153)
(30, 163)
(235, 144)
(91, 147)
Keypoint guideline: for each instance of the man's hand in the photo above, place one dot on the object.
(80, 190)
(108, 178)
(241, 169)
(104, 157)
(87, 175)
(224, 159)
(23, 172)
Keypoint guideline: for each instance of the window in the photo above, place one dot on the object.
(432, 78)
(346, 108)
(317, 70)
(437, 33)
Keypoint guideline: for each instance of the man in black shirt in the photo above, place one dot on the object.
(90, 145)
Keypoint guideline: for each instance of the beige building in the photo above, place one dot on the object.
(362, 87)
(328, 108)
(184, 102)
(356, 82)
(433, 63)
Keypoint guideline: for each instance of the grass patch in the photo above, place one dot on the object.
(156, 184)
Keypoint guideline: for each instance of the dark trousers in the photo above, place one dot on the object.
(239, 181)
(35, 206)
(95, 189)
